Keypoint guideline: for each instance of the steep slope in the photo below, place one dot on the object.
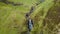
(46, 17)
(43, 15)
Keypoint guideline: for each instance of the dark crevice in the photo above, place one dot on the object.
(14, 4)
(29, 20)
(31, 11)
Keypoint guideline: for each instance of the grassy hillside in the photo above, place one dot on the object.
(46, 17)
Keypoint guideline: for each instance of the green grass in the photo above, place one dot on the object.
(13, 16)
(13, 21)
(9, 16)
